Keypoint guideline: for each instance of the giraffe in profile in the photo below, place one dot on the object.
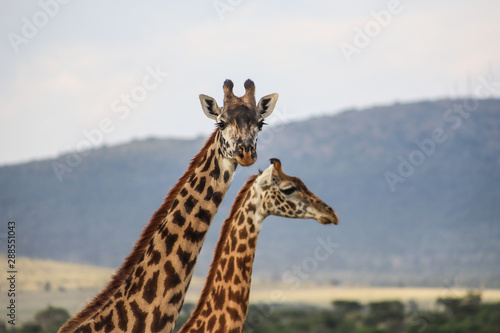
(223, 304)
(147, 292)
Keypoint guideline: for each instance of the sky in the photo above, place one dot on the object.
(77, 75)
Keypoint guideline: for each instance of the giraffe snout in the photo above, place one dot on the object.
(328, 216)
(246, 154)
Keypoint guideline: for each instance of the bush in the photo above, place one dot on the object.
(343, 308)
(461, 307)
(51, 319)
(388, 312)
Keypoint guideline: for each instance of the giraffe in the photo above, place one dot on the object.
(147, 292)
(223, 303)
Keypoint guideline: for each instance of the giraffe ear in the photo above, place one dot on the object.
(210, 107)
(265, 179)
(266, 105)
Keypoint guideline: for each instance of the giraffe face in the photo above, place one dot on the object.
(288, 196)
(239, 130)
(239, 121)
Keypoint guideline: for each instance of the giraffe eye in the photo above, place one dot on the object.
(288, 190)
(221, 125)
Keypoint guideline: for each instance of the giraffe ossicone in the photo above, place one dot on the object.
(223, 304)
(147, 291)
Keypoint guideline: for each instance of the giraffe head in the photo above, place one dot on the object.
(239, 120)
(287, 196)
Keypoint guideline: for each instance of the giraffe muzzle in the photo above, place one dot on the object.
(329, 218)
(246, 154)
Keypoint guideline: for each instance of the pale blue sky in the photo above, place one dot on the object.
(67, 68)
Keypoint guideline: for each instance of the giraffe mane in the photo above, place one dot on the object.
(140, 246)
(219, 248)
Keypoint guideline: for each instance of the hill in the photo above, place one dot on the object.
(416, 188)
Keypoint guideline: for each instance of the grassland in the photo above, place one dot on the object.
(41, 283)
(323, 295)
(47, 275)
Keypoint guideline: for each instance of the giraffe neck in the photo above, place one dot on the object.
(129, 264)
(150, 297)
(223, 304)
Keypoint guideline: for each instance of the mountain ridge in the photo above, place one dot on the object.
(434, 218)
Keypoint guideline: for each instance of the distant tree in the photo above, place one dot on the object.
(343, 308)
(51, 318)
(461, 306)
(451, 305)
(490, 314)
(390, 313)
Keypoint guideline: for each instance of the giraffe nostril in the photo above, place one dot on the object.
(242, 149)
